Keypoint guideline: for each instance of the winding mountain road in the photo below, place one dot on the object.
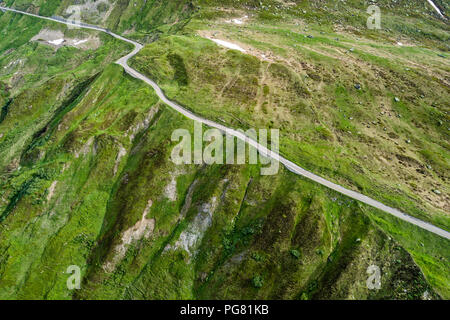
(288, 164)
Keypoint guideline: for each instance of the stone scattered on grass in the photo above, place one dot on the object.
(295, 253)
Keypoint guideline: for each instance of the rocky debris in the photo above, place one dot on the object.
(191, 236)
(51, 190)
(85, 149)
(171, 189)
(133, 131)
(426, 296)
(122, 152)
(142, 229)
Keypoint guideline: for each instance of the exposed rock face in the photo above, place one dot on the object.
(142, 229)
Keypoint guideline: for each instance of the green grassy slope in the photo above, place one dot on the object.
(140, 19)
(398, 119)
(86, 177)
(256, 222)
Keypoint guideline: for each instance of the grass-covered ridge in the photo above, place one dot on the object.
(326, 124)
(84, 199)
(86, 177)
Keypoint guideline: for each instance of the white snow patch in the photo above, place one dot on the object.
(228, 45)
(78, 42)
(56, 42)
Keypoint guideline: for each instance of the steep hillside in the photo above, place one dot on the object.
(86, 177)
(141, 19)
